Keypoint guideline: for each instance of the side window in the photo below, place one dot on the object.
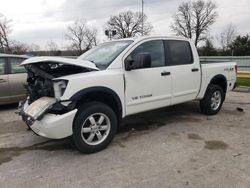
(155, 49)
(2, 66)
(15, 65)
(180, 52)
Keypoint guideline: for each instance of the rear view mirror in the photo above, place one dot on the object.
(141, 60)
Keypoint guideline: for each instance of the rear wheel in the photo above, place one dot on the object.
(94, 127)
(213, 100)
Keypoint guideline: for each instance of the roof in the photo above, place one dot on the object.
(140, 38)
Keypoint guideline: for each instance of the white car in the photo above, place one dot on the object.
(86, 98)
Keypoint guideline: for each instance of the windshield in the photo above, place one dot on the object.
(105, 53)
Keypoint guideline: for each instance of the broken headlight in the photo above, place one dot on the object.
(60, 87)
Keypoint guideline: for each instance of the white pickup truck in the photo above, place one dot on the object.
(86, 98)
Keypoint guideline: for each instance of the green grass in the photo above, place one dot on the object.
(243, 82)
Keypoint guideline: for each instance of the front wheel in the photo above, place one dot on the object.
(213, 100)
(94, 127)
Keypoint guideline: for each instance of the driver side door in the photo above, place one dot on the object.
(148, 88)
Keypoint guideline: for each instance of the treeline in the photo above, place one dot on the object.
(240, 46)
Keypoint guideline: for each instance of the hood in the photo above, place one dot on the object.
(68, 61)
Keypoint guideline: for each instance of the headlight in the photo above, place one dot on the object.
(60, 87)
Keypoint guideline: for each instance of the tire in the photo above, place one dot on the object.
(213, 100)
(94, 127)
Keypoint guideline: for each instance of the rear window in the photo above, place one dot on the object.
(180, 52)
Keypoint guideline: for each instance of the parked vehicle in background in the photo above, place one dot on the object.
(12, 78)
(86, 98)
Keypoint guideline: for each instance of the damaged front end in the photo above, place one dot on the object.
(44, 90)
(42, 79)
(35, 110)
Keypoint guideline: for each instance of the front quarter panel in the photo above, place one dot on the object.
(111, 79)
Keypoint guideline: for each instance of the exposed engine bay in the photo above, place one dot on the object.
(40, 76)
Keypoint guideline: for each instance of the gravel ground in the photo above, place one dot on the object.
(171, 147)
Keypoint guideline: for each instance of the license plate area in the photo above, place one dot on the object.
(36, 109)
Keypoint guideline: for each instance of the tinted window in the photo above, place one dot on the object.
(180, 52)
(2, 66)
(155, 49)
(15, 65)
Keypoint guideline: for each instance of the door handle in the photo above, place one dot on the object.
(195, 69)
(165, 73)
(2, 81)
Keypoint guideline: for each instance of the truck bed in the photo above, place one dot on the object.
(211, 68)
(212, 61)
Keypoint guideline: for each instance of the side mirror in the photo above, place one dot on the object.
(141, 60)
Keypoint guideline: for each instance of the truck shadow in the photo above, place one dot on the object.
(131, 125)
(187, 112)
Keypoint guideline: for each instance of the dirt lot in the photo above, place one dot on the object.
(171, 147)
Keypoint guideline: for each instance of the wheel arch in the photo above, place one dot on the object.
(221, 81)
(100, 94)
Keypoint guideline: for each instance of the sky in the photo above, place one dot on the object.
(41, 21)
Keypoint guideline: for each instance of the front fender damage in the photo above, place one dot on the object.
(43, 111)
(36, 109)
(41, 121)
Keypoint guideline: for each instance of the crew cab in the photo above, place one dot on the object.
(87, 98)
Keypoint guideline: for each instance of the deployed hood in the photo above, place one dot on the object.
(61, 60)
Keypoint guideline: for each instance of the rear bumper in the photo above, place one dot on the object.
(55, 126)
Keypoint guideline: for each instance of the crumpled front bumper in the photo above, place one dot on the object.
(53, 126)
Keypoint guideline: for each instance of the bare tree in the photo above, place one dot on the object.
(82, 37)
(34, 47)
(11, 46)
(22, 48)
(5, 30)
(52, 48)
(90, 38)
(19, 47)
(227, 36)
(129, 24)
(194, 19)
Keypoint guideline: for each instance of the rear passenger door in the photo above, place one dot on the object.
(185, 71)
(17, 78)
(4, 85)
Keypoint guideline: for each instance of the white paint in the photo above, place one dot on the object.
(55, 126)
(68, 61)
(180, 86)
